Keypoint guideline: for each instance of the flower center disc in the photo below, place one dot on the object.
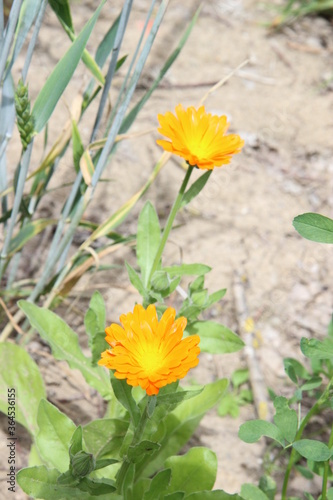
(151, 361)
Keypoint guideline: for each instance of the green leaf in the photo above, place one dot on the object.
(97, 487)
(161, 283)
(63, 11)
(87, 59)
(54, 436)
(94, 321)
(268, 486)
(187, 269)
(312, 450)
(8, 114)
(253, 430)
(228, 406)
(26, 18)
(20, 381)
(135, 280)
(65, 345)
(285, 418)
(319, 468)
(311, 384)
(76, 441)
(197, 284)
(252, 492)
(213, 495)
(104, 437)
(239, 377)
(314, 227)
(160, 280)
(330, 494)
(78, 148)
(158, 485)
(123, 393)
(34, 457)
(196, 470)
(195, 189)
(304, 471)
(216, 296)
(145, 447)
(27, 232)
(177, 397)
(313, 348)
(294, 369)
(178, 495)
(148, 240)
(128, 482)
(61, 75)
(105, 462)
(179, 425)
(106, 45)
(40, 482)
(215, 338)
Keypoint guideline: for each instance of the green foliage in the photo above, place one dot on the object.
(20, 367)
(253, 430)
(130, 453)
(27, 232)
(216, 338)
(104, 437)
(196, 187)
(252, 492)
(94, 321)
(316, 349)
(293, 9)
(314, 227)
(285, 418)
(194, 471)
(54, 436)
(287, 431)
(177, 426)
(237, 395)
(312, 450)
(148, 240)
(61, 75)
(123, 393)
(65, 346)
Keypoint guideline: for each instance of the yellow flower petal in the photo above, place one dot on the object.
(198, 137)
(148, 352)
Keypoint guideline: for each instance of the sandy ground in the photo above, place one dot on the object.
(242, 221)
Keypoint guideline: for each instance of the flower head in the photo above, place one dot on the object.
(198, 137)
(148, 352)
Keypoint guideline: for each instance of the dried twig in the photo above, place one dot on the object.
(12, 322)
(246, 330)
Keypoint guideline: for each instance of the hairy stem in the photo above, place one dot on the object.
(170, 220)
(136, 439)
(313, 411)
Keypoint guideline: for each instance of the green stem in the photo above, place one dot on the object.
(315, 409)
(136, 439)
(170, 220)
(326, 469)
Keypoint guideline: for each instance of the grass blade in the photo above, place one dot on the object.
(27, 16)
(61, 75)
(134, 111)
(8, 40)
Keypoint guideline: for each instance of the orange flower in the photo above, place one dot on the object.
(148, 352)
(198, 137)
